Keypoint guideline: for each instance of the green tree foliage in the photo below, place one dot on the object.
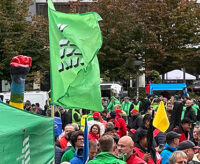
(161, 32)
(172, 25)
(153, 76)
(116, 56)
(18, 36)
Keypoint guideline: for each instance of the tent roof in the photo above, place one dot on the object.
(158, 87)
(22, 134)
(12, 118)
(178, 75)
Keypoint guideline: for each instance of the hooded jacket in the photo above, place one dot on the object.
(126, 107)
(106, 158)
(111, 105)
(121, 126)
(166, 153)
(78, 158)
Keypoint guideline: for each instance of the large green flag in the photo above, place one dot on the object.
(75, 40)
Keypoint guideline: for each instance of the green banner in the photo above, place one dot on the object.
(75, 40)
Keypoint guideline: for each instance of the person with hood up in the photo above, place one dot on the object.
(120, 122)
(113, 102)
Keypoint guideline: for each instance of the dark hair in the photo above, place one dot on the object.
(37, 104)
(169, 141)
(186, 121)
(74, 136)
(27, 104)
(147, 117)
(142, 134)
(97, 127)
(105, 111)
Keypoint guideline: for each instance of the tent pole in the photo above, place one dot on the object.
(184, 80)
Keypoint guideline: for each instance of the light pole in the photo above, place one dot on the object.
(137, 63)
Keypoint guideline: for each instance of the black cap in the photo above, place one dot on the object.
(187, 145)
(171, 135)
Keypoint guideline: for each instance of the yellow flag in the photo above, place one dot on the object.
(161, 121)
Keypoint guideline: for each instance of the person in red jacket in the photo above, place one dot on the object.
(94, 133)
(64, 140)
(141, 149)
(125, 146)
(184, 129)
(121, 124)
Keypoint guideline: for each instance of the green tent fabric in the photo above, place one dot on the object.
(25, 137)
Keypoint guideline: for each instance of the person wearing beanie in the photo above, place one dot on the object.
(97, 120)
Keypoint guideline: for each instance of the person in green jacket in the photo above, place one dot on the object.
(76, 141)
(113, 102)
(126, 105)
(189, 103)
(105, 156)
(195, 107)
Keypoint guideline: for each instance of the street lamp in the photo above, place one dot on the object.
(137, 63)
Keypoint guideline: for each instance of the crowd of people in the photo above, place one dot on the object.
(121, 133)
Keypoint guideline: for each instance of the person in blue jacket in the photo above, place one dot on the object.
(78, 156)
(172, 139)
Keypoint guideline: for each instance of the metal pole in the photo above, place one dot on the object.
(184, 80)
(137, 83)
(131, 81)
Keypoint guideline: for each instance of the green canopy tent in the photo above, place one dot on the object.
(25, 137)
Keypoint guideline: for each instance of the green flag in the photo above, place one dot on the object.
(75, 40)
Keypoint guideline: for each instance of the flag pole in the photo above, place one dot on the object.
(151, 147)
(52, 111)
